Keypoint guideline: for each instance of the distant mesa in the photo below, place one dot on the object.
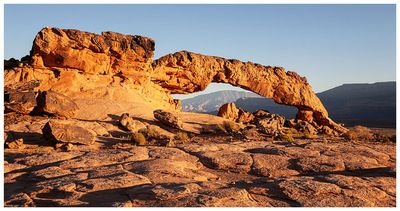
(108, 73)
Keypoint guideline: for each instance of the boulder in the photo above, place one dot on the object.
(244, 116)
(271, 124)
(305, 127)
(21, 102)
(305, 116)
(57, 104)
(66, 131)
(229, 111)
(131, 124)
(168, 119)
(261, 113)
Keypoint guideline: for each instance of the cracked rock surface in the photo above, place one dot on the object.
(208, 170)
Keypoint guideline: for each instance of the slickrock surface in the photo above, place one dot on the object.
(96, 71)
(207, 170)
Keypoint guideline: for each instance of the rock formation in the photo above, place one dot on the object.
(107, 73)
(186, 72)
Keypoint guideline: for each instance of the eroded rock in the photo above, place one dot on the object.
(57, 104)
(21, 102)
(67, 132)
(168, 119)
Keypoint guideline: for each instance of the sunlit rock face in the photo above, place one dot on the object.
(114, 73)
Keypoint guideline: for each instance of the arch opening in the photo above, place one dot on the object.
(217, 94)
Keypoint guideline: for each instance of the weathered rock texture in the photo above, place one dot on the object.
(107, 73)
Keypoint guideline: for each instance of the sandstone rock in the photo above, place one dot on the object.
(271, 166)
(320, 164)
(261, 113)
(57, 104)
(227, 160)
(64, 131)
(105, 53)
(308, 192)
(21, 102)
(226, 197)
(305, 127)
(305, 116)
(156, 132)
(229, 111)
(168, 119)
(244, 116)
(129, 123)
(271, 124)
(15, 144)
(168, 171)
(326, 130)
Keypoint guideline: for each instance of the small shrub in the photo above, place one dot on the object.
(220, 128)
(284, 137)
(150, 132)
(139, 139)
(359, 133)
(182, 136)
(307, 135)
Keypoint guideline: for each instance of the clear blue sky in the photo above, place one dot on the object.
(329, 44)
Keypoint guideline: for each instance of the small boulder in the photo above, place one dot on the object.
(130, 124)
(305, 127)
(21, 102)
(261, 113)
(271, 124)
(168, 119)
(66, 131)
(57, 104)
(229, 111)
(244, 116)
(305, 116)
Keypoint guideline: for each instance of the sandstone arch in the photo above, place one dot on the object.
(186, 72)
(120, 67)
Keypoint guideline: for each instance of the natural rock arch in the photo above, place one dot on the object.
(186, 72)
(118, 67)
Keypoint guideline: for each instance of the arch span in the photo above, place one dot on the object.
(186, 72)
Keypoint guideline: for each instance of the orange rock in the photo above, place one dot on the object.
(229, 111)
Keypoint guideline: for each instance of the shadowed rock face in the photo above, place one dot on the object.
(185, 72)
(113, 66)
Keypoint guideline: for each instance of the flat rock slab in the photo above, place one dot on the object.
(66, 131)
